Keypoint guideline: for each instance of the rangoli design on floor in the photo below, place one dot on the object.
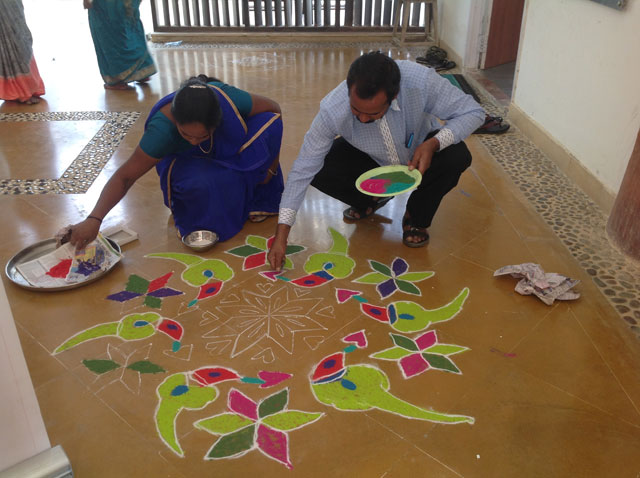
(407, 316)
(251, 425)
(255, 252)
(153, 291)
(390, 279)
(261, 318)
(130, 327)
(195, 390)
(207, 274)
(122, 367)
(365, 387)
(323, 267)
(418, 355)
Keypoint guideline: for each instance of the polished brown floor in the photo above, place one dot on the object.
(554, 390)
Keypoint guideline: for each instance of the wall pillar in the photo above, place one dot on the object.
(623, 226)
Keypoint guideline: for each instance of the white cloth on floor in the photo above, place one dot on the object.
(535, 281)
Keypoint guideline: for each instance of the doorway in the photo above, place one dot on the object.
(493, 48)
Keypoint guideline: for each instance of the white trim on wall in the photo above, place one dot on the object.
(477, 34)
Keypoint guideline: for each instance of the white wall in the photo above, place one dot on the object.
(454, 24)
(579, 79)
(22, 431)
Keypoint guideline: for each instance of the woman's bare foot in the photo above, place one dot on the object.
(31, 101)
(118, 86)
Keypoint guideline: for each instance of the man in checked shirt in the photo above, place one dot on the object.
(386, 112)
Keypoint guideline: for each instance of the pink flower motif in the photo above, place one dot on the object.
(270, 422)
(418, 355)
(413, 364)
(242, 405)
(426, 340)
(274, 444)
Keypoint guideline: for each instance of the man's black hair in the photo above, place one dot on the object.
(195, 102)
(372, 72)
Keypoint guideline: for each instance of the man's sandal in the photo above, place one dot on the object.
(412, 231)
(260, 217)
(350, 212)
(419, 232)
(492, 125)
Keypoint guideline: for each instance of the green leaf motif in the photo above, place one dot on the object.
(223, 424)
(144, 366)
(287, 263)
(101, 366)
(153, 302)
(273, 404)
(291, 419)
(407, 287)
(415, 276)
(378, 266)
(394, 353)
(404, 342)
(137, 284)
(371, 278)
(257, 241)
(233, 444)
(441, 363)
(446, 349)
(244, 251)
(294, 249)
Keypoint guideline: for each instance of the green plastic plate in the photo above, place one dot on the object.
(388, 180)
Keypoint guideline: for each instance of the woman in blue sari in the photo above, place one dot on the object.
(216, 149)
(121, 47)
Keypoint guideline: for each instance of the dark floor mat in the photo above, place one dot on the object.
(459, 81)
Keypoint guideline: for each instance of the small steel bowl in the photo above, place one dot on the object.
(200, 241)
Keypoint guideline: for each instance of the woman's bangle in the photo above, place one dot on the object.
(275, 173)
(95, 217)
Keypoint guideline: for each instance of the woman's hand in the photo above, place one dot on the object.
(87, 4)
(84, 232)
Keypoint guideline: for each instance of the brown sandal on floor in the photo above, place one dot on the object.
(350, 212)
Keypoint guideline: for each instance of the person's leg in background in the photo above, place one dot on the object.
(442, 176)
(342, 166)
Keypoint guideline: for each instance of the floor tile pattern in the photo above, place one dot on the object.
(573, 216)
(84, 169)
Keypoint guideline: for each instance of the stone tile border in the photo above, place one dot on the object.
(85, 168)
(574, 217)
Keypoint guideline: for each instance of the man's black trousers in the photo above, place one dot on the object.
(344, 164)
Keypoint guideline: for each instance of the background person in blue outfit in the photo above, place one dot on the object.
(386, 112)
(121, 47)
(216, 149)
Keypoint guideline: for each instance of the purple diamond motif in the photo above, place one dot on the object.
(165, 292)
(399, 266)
(386, 288)
(123, 296)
